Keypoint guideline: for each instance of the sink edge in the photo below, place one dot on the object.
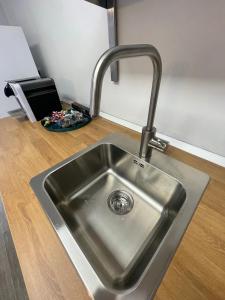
(146, 287)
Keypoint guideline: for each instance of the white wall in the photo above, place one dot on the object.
(190, 37)
(66, 40)
(3, 18)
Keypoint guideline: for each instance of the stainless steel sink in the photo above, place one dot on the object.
(118, 245)
(120, 218)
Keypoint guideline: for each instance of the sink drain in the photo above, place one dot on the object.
(120, 202)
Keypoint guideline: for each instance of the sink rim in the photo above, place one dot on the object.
(146, 285)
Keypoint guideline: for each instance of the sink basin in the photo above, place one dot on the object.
(118, 244)
(116, 214)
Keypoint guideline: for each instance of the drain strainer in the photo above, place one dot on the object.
(120, 202)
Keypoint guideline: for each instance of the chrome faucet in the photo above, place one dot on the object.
(148, 138)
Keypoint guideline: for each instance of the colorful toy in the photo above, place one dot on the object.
(65, 120)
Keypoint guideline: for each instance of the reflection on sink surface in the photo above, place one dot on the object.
(119, 217)
(117, 246)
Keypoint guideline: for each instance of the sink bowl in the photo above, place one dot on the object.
(118, 244)
(115, 214)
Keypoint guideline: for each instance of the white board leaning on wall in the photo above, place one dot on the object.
(16, 62)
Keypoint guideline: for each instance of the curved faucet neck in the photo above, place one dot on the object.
(115, 54)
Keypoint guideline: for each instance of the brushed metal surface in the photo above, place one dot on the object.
(118, 247)
(120, 257)
(148, 138)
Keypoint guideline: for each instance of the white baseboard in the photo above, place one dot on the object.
(4, 115)
(212, 157)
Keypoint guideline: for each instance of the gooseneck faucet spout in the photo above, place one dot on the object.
(148, 139)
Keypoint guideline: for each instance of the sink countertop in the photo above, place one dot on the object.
(26, 149)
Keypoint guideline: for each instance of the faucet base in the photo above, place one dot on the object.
(147, 135)
(149, 141)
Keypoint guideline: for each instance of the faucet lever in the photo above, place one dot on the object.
(149, 140)
(158, 144)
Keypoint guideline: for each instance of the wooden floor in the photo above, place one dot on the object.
(198, 268)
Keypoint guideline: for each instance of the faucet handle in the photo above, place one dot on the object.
(158, 144)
